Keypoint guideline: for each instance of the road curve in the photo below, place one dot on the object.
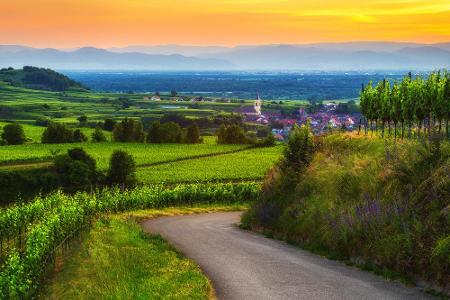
(243, 265)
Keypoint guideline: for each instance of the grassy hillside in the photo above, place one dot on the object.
(39, 78)
(381, 204)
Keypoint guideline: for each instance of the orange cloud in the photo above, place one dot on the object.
(68, 23)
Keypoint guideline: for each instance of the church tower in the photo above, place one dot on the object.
(257, 105)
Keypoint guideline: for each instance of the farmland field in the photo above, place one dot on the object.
(144, 154)
(251, 164)
(26, 105)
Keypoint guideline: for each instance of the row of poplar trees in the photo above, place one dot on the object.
(414, 106)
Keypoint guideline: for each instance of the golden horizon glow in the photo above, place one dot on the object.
(107, 23)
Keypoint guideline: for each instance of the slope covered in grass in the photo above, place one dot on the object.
(383, 204)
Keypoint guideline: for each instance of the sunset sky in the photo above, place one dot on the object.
(106, 23)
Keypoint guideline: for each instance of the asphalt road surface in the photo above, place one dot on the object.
(244, 265)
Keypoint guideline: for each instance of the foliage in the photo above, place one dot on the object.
(193, 134)
(299, 149)
(154, 133)
(171, 132)
(268, 141)
(57, 133)
(76, 169)
(109, 124)
(129, 130)
(79, 137)
(13, 134)
(52, 220)
(384, 203)
(232, 134)
(412, 103)
(39, 78)
(122, 169)
(98, 136)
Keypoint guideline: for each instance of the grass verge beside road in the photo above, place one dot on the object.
(117, 260)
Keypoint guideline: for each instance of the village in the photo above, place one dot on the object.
(322, 118)
(325, 118)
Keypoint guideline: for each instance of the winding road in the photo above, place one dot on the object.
(244, 265)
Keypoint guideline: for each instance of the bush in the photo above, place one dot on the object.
(171, 133)
(57, 133)
(79, 137)
(76, 169)
(193, 134)
(232, 134)
(268, 141)
(299, 149)
(98, 136)
(129, 130)
(109, 124)
(122, 169)
(43, 121)
(154, 133)
(83, 120)
(13, 134)
(385, 204)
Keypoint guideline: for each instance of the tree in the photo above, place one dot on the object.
(13, 134)
(171, 133)
(232, 134)
(173, 93)
(299, 149)
(76, 169)
(57, 133)
(221, 134)
(98, 136)
(193, 134)
(82, 119)
(79, 137)
(109, 124)
(129, 130)
(154, 133)
(122, 169)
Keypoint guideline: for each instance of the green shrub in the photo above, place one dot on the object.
(129, 130)
(385, 204)
(79, 137)
(13, 134)
(171, 132)
(232, 134)
(193, 134)
(122, 169)
(98, 136)
(76, 169)
(57, 133)
(109, 124)
(154, 133)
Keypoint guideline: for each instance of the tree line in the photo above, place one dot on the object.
(417, 105)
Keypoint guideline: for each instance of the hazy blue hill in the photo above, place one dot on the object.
(99, 59)
(350, 56)
(290, 57)
(185, 50)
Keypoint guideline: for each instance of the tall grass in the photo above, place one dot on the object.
(383, 203)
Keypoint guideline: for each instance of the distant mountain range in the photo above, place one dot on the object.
(351, 56)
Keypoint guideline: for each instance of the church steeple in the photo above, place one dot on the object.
(257, 104)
